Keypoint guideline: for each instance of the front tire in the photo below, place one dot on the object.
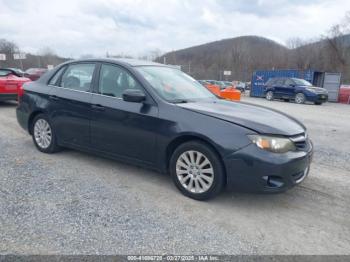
(197, 170)
(318, 103)
(300, 98)
(43, 135)
(269, 95)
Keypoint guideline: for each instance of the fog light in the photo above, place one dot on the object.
(273, 181)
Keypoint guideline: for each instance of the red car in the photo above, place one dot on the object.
(11, 84)
(35, 73)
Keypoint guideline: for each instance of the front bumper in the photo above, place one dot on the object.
(256, 170)
(321, 98)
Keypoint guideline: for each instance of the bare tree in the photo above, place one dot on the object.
(8, 48)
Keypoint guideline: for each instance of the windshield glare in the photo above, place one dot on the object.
(301, 82)
(173, 85)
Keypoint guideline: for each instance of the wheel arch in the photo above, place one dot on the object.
(179, 140)
(31, 118)
(302, 93)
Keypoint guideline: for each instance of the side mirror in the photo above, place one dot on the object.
(292, 85)
(132, 95)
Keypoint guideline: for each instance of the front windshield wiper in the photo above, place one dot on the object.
(179, 101)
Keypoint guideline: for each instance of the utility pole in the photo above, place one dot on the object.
(189, 67)
(20, 61)
(164, 60)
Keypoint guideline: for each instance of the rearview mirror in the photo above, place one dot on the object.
(132, 95)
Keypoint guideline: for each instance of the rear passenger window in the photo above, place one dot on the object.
(114, 80)
(270, 82)
(279, 82)
(54, 79)
(78, 77)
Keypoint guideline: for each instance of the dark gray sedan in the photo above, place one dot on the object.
(158, 117)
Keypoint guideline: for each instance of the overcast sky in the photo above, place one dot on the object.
(76, 27)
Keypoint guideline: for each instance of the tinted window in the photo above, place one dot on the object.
(114, 80)
(289, 82)
(280, 82)
(54, 79)
(78, 77)
(301, 82)
(271, 81)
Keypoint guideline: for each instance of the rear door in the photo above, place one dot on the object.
(70, 100)
(279, 88)
(118, 127)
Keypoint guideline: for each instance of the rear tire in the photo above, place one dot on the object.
(269, 95)
(43, 135)
(300, 98)
(318, 103)
(197, 170)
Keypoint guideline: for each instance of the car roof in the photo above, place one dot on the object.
(125, 61)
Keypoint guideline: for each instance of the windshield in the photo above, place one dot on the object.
(220, 83)
(173, 85)
(301, 82)
(16, 70)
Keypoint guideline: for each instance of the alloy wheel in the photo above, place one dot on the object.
(269, 95)
(42, 133)
(194, 171)
(300, 98)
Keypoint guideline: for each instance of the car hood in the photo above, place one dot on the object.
(317, 89)
(257, 118)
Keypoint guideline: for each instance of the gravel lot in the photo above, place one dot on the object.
(75, 203)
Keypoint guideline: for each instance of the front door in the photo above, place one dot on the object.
(279, 88)
(118, 127)
(289, 89)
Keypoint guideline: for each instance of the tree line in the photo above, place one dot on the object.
(244, 55)
(45, 57)
(241, 55)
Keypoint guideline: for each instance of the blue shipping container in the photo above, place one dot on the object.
(262, 76)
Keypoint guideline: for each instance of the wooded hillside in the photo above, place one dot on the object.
(243, 55)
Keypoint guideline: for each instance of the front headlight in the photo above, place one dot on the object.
(273, 144)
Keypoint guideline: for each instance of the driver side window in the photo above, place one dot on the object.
(114, 80)
(279, 82)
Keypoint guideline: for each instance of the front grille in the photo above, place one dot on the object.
(322, 97)
(300, 141)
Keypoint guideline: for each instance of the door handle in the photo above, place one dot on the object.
(53, 97)
(98, 107)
